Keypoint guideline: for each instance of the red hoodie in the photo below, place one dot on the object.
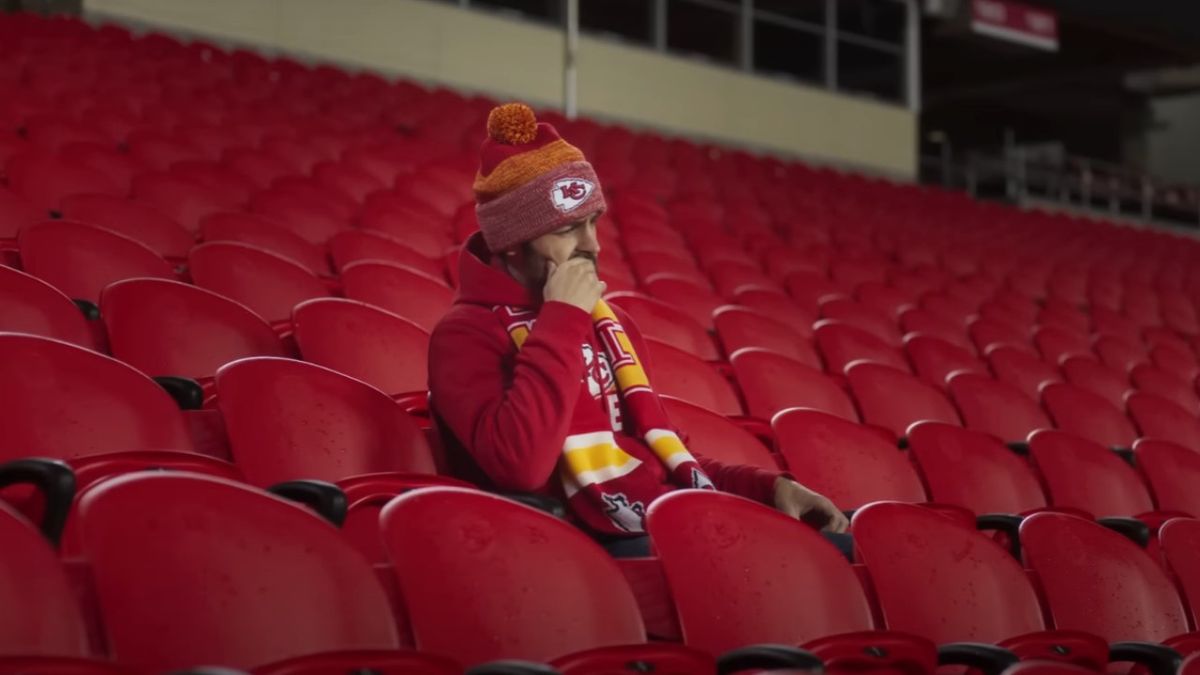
(508, 410)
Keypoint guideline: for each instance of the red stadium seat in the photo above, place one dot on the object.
(1180, 540)
(808, 289)
(1119, 354)
(16, 212)
(1171, 472)
(674, 372)
(973, 470)
(776, 560)
(934, 359)
(28, 305)
(132, 219)
(266, 235)
(351, 246)
(304, 214)
(716, 437)
(215, 177)
(860, 316)
(925, 322)
(365, 342)
(730, 276)
(895, 400)
(779, 307)
(1097, 581)
(841, 344)
(45, 178)
(269, 284)
(169, 328)
(665, 323)
(772, 382)
(741, 327)
(1088, 477)
(1160, 418)
(1088, 415)
(459, 608)
(850, 464)
(80, 260)
(181, 200)
(280, 570)
(400, 290)
(972, 590)
(699, 303)
(891, 302)
(1169, 384)
(680, 264)
(1177, 359)
(1021, 369)
(987, 332)
(1098, 378)
(996, 408)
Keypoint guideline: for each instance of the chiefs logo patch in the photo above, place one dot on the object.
(568, 193)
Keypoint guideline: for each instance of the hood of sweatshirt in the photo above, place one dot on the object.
(482, 280)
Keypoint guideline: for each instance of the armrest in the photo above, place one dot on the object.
(380, 488)
(324, 498)
(1019, 447)
(1008, 523)
(540, 502)
(768, 657)
(990, 659)
(1131, 528)
(1159, 659)
(187, 393)
(54, 480)
(512, 668)
(89, 309)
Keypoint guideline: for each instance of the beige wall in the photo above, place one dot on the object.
(478, 51)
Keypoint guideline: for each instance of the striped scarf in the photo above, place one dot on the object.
(601, 481)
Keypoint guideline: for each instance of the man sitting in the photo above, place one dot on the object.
(544, 385)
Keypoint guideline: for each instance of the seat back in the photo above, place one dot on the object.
(365, 342)
(1055, 343)
(973, 470)
(1160, 418)
(674, 372)
(1179, 539)
(1089, 415)
(266, 235)
(30, 305)
(135, 220)
(1023, 370)
(741, 327)
(850, 464)
(1119, 354)
(400, 290)
(80, 259)
(169, 328)
(894, 399)
(667, 324)
(39, 613)
(351, 246)
(860, 316)
(483, 578)
(715, 437)
(777, 306)
(193, 569)
(775, 561)
(1097, 581)
(1098, 378)
(995, 407)
(771, 382)
(290, 420)
(971, 590)
(1081, 474)
(1172, 472)
(841, 344)
(934, 359)
(270, 285)
(1172, 385)
(698, 302)
(63, 401)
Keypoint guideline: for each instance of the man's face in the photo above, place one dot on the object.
(577, 240)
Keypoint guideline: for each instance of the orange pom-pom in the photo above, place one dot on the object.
(512, 124)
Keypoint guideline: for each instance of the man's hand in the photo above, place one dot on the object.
(801, 503)
(575, 283)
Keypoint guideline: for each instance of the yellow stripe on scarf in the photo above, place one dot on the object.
(629, 375)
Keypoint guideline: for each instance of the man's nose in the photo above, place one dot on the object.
(588, 240)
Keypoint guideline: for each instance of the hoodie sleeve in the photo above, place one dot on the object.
(513, 425)
(746, 481)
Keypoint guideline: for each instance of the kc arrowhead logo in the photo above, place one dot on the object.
(568, 193)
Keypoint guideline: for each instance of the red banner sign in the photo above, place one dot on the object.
(1015, 22)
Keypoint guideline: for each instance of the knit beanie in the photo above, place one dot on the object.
(530, 182)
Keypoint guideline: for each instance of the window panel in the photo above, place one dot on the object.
(782, 50)
(702, 29)
(631, 20)
(870, 70)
